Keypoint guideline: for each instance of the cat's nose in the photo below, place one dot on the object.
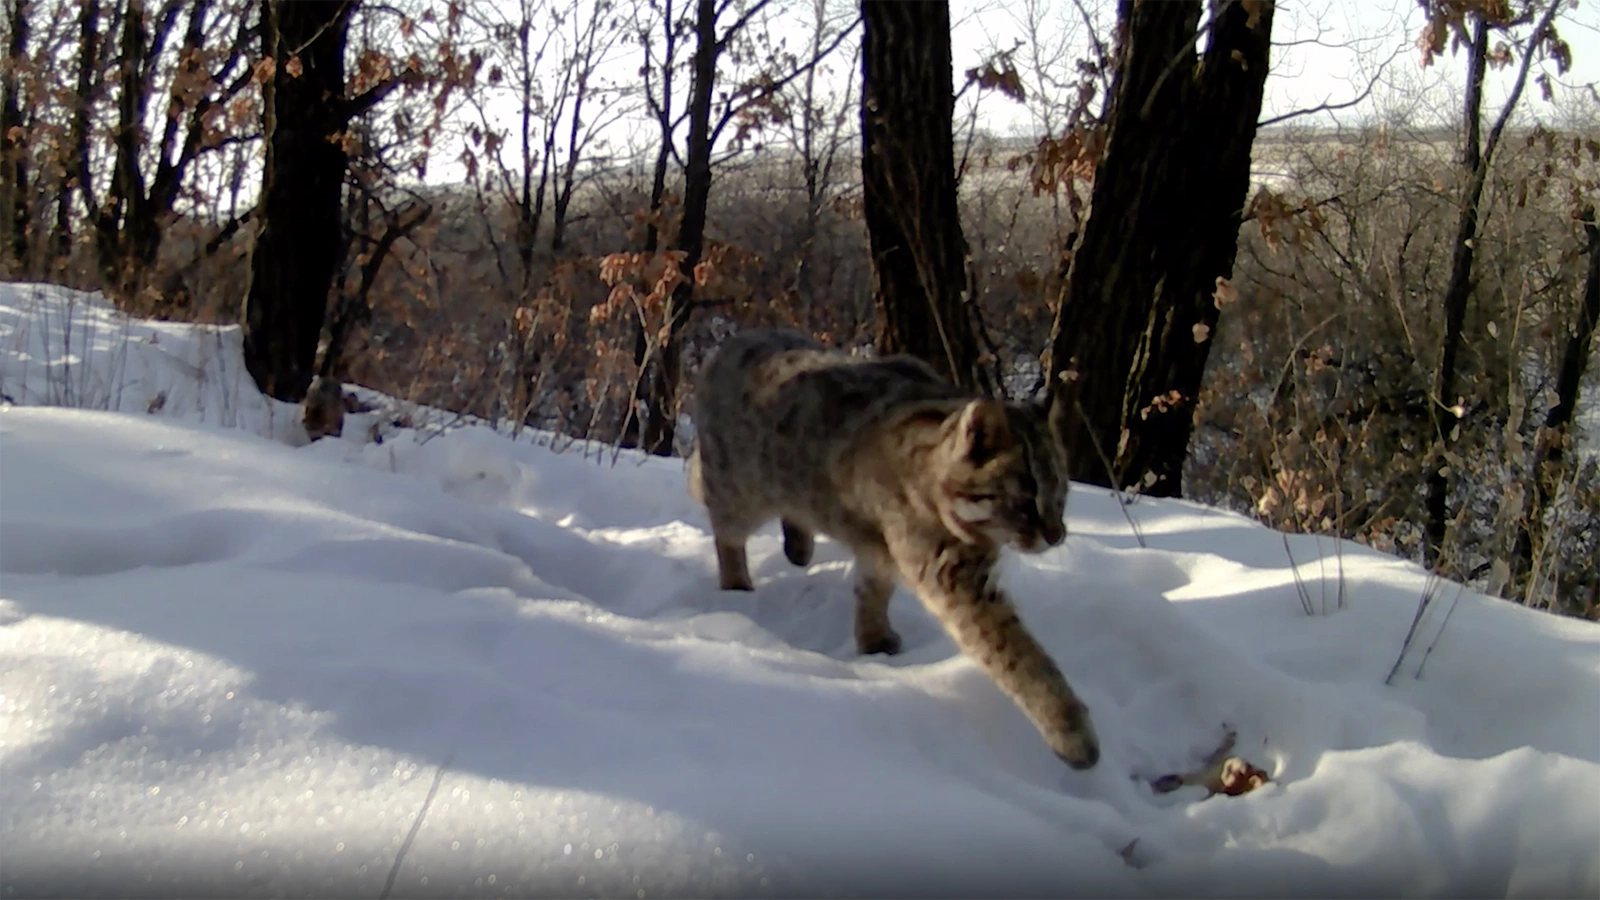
(1054, 535)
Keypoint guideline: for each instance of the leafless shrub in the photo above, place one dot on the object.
(1316, 417)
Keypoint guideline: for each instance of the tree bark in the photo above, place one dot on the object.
(14, 187)
(1456, 293)
(88, 65)
(1133, 329)
(298, 249)
(919, 253)
(660, 423)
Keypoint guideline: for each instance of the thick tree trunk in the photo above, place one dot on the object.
(1134, 327)
(909, 189)
(298, 250)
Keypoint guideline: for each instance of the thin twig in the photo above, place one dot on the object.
(416, 826)
(1322, 575)
(1116, 488)
(1329, 105)
(1429, 652)
(1299, 584)
(1338, 549)
(1430, 588)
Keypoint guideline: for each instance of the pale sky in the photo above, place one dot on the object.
(1325, 51)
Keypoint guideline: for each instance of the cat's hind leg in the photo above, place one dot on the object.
(732, 514)
(731, 529)
(798, 544)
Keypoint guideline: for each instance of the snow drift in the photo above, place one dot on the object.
(458, 663)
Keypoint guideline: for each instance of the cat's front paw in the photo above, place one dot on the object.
(1076, 743)
(885, 642)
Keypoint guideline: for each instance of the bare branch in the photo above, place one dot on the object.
(1522, 80)
(371, 97)
(1328, 106)
(773, 88)
(738, 25)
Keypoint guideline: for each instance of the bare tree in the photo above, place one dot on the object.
(298, 247)
(592, 40)
(908, 179)
(817, 132)
(555, 56)
(709, 113)
(662, 385)
(1135, 319)
(302, 241)
(1477, 154)
(206, 69)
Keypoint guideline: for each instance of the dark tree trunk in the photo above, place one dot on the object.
(130, 226)
(14, 188)
(660, 423)
(530, 205)
(569, 175)
(909, 189)
(1550, 447)
(126, 237)
(298, 250)
(1475, 162)
(88, 64)
(1579, 351)
(1457, 292)
(1137, 313)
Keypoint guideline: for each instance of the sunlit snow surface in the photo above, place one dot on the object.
(231, 666)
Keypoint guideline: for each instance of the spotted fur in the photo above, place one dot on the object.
(922, 482)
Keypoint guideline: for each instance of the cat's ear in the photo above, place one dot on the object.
(982, 431)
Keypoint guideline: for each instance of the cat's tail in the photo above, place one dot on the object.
(697, 487)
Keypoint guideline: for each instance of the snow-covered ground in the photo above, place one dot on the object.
(234, 666)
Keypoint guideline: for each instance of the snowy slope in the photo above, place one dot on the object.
(233, 666)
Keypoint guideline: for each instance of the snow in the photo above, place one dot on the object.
(230, 665)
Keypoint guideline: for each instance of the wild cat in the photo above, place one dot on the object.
(923, 483)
